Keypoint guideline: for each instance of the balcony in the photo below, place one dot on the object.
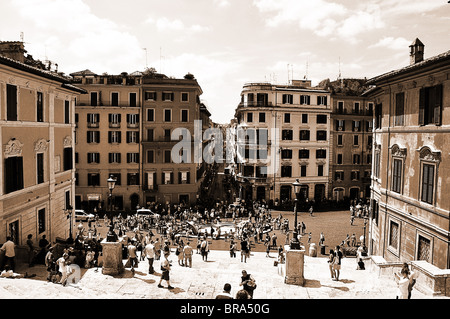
(256, 104)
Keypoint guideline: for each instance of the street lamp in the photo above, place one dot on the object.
(111, 236)
(365, 225)
(295, 243)
(69, 209)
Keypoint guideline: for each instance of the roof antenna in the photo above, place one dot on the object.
(21, 37)
(146, 60)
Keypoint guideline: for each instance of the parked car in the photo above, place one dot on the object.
(146, 212)
(82, 216)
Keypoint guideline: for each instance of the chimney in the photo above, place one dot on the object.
(416, 51)
(13, 49)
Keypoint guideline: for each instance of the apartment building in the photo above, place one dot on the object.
(295, 120)
(108, 132)
(351, 151)
(167, 105)
(409, 201)
(37, 126)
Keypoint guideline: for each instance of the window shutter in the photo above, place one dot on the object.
(302, 99)
(422, 107)
(438, 105)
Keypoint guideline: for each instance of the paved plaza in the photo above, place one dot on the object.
(205, 279)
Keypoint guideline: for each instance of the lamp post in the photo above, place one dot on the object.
(111, 236)
(69, 209)
(295, 243)
(365, 225)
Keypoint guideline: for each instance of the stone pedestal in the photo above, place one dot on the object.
(294, 266)
(112, 258)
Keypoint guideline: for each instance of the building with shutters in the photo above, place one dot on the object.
(37, 126)
(411, 161)
(295, 121)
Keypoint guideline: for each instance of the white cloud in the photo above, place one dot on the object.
(400, 44)
(165, 25)
(78, 37)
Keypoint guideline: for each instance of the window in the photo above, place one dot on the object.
(167, 96)
(340, 140)
(376, 164)
(150, 135)
(356, 159)
(304, 135)
(13, 174)
(399, 109)
(303, 154)
(167, 156)
(356, 126)
(369, 126)
(133, 158)
(133, 120)
(340, 125)
(39, 168)
(286, 171)
(321, 119)
(167, 178)
(249, 117)
(287, 117)
(356, 108)
(68, 158)
(76, 158)
(93, 119)
(339, 176)
(394, 232)
(150, 156)
(114, 137)
(321, 153)
(184, 177)
(167, 115)
(288, 98)
(249, 171)
(66, 112)
(321, 100)
(355, 140)
(184, 116)
(114, 120)
(339, 159)
(261, 171)
(94, 98)
(114, 158)
(184, 97)
(114, 99)
(262, 99)
(93, 158)
(424, 249)
(287, 135)
(303, 170)
(340, 107)
(427, 184)
(304, 118)
(319, 170)
(76, 119)
(355, 175)
(133, 100)
(369, 159)
(167, 135)
(133, 179)
(262, 117)
(93, 179)
(321, 135)
(379, 116)
(397, 175)
(132, 137)
(150, 96)
(93, 136)
(118, 178)
(150, 180)
(40, 107)
(286, 154)
(11, 102)
(150, 115)
(41, 221)
(305, 99)
(430, 105)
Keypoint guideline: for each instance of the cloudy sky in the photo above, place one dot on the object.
(227, 43)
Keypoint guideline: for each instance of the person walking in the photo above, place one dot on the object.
(402, 285)
(165, 268)
(321, 239)
(248, 283)
(330, 261)
(226, 294)
(204, 249)
(30, 247)
(337, 263)
(244, 250)
(187, 252)
(180, 254)
(10, 254)
(157, 249)
(62, 268)
(232, 249)
(149, 251)
(311, 211)
(132, 256)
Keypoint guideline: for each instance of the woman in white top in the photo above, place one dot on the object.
(402, 292)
